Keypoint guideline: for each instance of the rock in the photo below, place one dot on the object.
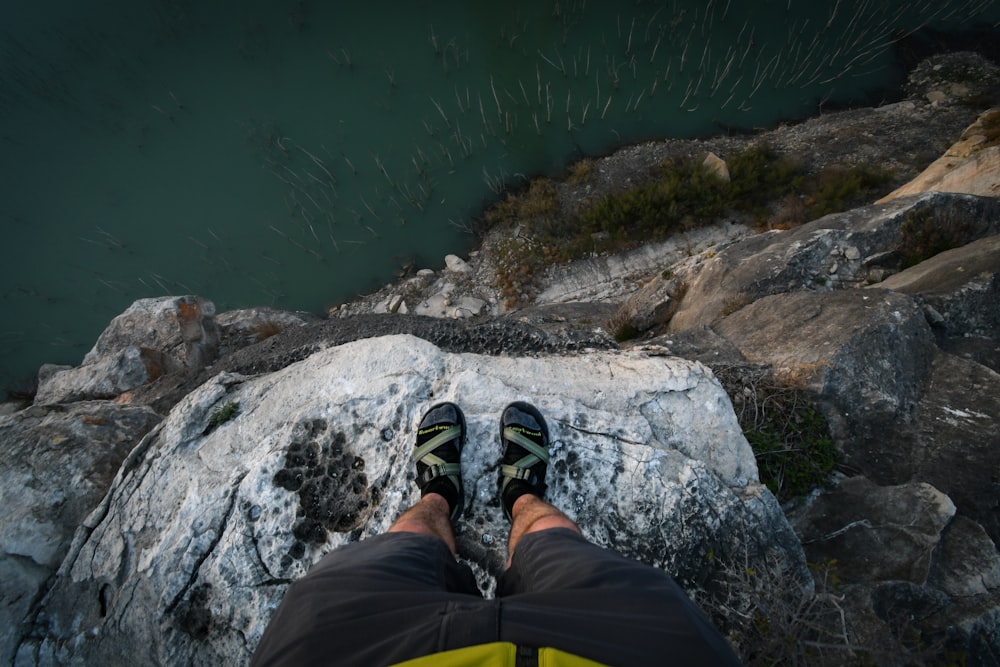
(654, 304)
(182, 328)
(153, 337)
(971, 165)
(722, 281)
(239, 328)
(960, 289)
(951, 440)
(966, 563)
(456, 264)
(58, 463)
(937, 96)
(616, 277)
(716, 166)
(875, 533)
(106, 377)
(978, 174)
(437, 305)
(869, 353)
(193, 547)
(469, 306)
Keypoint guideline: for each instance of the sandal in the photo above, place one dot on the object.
(526, 454)
(437, 453)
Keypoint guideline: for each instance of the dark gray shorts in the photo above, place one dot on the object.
(399, 596)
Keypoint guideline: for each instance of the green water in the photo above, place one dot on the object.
(297, 153)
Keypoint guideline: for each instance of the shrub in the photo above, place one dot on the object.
(926, 233)
(685, 194)
(581, 172)
(789, 436)
(836, 187)
(222, 415)
(772, 617)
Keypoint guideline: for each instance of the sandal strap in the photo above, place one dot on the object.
(441, 470)
(424, 451)
(518, 471)
(518, 438)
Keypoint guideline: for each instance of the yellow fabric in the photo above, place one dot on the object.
(551, 657)
(497, 654)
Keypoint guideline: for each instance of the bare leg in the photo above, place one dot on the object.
(430, 516)
(532, 514)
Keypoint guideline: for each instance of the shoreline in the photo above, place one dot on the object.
(904, 136)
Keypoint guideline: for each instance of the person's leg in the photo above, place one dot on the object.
(532, 514)
(561, 590)
(396, 596)
(430, 516)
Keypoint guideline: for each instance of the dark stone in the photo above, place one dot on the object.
(193, 616)
(330, 482)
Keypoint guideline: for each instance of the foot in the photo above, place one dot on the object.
(437, 453)
(525, 437)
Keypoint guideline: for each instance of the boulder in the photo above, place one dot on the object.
(249, 481)
(182, 328)
(105, 377)
(837, 251)
(970, 166)
(716, 166)
(966, 562)
(58, 463)
(914, 579)
(875, 533)
(951, 440)
(456, 264)
(153, 337)
(868, 353)
(959, 290)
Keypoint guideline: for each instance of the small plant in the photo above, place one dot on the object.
(835, 188)
(791, 212)
(789, 436)
(621, 326)
(581, 172)
(926, 233)
(222, 415)
(266, 329)
(774, 617)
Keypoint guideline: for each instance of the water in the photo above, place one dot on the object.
(296, 153)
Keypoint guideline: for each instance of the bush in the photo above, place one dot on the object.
(684, 195)
(925, 234)
(835, 188)
(789, 436)
(772, 617)
(222, 415)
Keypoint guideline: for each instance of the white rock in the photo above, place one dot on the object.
(647, 456)
(457, 264)
(469, 306)
(716, 165)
